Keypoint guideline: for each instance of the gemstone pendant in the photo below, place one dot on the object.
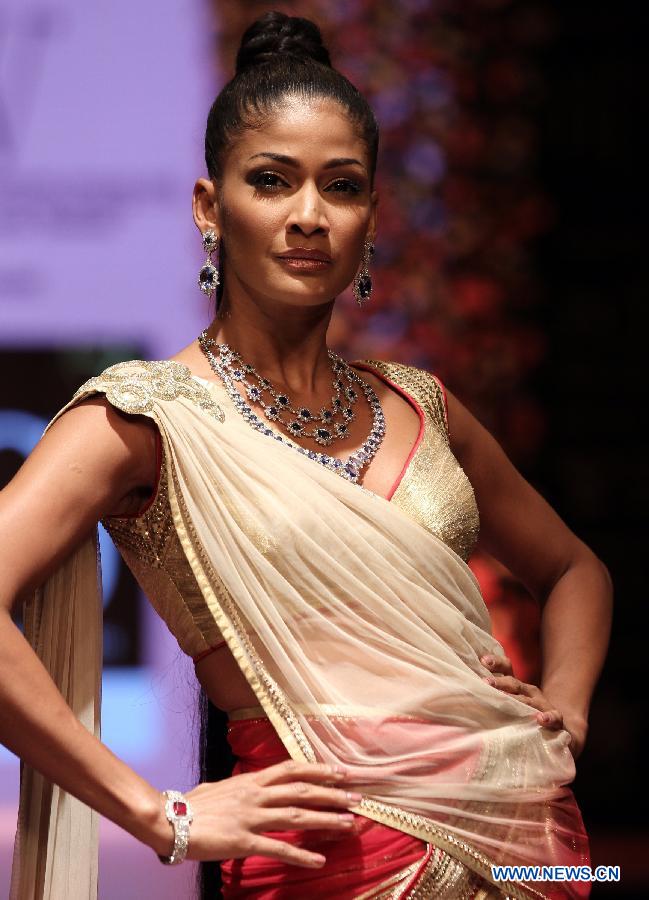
(365, 286)
(208, 278)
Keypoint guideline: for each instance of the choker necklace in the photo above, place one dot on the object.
(230, 368)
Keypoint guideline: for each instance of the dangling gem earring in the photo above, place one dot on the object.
(208, 277)
(362, 284)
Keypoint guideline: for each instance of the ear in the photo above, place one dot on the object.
(371, 228)
(205, 206)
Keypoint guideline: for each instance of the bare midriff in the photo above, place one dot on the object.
(223, 681)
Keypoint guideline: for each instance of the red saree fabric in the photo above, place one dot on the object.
(355, 863)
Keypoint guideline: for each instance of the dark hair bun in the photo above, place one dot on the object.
(276, 34)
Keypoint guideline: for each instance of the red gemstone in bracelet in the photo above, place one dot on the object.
(180, 808)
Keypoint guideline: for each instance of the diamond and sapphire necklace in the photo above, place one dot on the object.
(230, 368)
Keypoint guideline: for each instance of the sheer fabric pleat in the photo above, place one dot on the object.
(56, 844)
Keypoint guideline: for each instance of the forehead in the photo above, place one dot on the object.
(311, 131)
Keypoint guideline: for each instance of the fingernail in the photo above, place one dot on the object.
(489, 661)
(338, 770)
(489, 680)
(353, 797)
(347, 818)
(318, 860)
(545, 718)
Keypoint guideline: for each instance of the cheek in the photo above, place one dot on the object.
(245, 223)
(348, 238)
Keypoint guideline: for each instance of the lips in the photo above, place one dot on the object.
(305, 253)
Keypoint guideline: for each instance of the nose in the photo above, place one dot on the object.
(307, 215)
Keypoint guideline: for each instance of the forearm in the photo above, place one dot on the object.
(38, 726)
(575, 629)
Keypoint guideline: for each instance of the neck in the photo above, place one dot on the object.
(288, 347)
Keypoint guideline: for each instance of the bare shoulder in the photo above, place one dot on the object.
(82, 468)
(105, 438)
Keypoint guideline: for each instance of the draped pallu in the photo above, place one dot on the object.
(357, 627)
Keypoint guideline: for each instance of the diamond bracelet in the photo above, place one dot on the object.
(179, 814)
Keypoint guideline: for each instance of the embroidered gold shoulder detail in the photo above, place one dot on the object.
(420, 384)
(135, 384)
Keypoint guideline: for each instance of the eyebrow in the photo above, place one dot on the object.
(291, 161)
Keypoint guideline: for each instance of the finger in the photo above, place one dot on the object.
(292, 770)
(301, 793)
(511, 685)
(537, 703)
(499, 664)
(265, 846)
(551, 719)
(289, 818)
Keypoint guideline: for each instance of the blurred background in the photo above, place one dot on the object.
(510, 261)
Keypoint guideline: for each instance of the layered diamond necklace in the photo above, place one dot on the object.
(229, 366)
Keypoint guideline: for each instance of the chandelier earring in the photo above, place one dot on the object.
(208, 277)
(362, 284)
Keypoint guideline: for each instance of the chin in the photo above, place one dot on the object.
(305, 289)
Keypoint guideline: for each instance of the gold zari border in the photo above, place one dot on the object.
(328, 710)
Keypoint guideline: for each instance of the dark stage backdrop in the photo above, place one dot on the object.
(509, 261)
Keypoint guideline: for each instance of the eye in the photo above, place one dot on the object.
(344, 186)
(267, 181)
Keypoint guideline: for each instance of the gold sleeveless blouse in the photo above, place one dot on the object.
(432, 489)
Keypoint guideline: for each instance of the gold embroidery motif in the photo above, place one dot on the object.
(133, 385)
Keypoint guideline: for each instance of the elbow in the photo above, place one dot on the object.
(598, 566)
(600, 577)
(606, 577)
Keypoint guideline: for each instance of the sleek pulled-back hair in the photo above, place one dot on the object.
(281, 56)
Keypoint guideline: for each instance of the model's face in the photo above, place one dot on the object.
(295, 205)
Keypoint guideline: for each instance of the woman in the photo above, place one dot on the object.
(383, 746)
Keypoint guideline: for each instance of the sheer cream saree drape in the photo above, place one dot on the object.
(359, 631)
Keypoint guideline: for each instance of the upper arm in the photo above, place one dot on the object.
(80, 470)
(517, 526)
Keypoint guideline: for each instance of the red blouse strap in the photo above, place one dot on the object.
(207, 652)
